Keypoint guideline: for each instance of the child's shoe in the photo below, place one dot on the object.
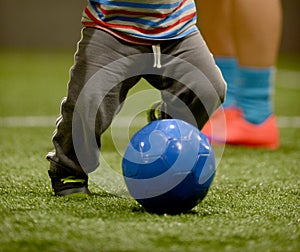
(69, 185)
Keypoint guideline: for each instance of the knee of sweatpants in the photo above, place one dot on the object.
(223, 94)
(221, 88)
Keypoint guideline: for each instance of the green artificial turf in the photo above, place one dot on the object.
(253, 203)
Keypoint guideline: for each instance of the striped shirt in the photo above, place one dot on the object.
(142, 21)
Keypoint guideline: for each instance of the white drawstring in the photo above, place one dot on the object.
(157, 56)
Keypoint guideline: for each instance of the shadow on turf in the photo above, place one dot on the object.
(141, 209)
(137, 208)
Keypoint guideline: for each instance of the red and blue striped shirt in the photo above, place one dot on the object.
(142, 21)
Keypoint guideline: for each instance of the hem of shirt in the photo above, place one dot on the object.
(122, 36)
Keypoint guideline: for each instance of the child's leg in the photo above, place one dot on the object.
(96, 50)
(192, 85)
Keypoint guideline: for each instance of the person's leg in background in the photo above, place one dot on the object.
(251, 32)
(215, 24)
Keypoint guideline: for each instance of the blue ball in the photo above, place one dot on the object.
(168, 166)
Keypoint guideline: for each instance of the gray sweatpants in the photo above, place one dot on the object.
(105, 68)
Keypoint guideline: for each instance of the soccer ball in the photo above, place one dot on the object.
(168, 166)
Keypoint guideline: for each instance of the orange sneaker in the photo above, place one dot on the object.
(242, 132)
(216, 125)
(238, 131)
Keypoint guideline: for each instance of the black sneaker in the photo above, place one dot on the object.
(154, 112)
(69, 185)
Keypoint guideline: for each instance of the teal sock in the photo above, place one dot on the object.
(254, 93)
(228, 67)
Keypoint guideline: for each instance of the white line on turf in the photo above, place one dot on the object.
(288, 79)
(121, 122)
(288, 121)
(27, 121)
